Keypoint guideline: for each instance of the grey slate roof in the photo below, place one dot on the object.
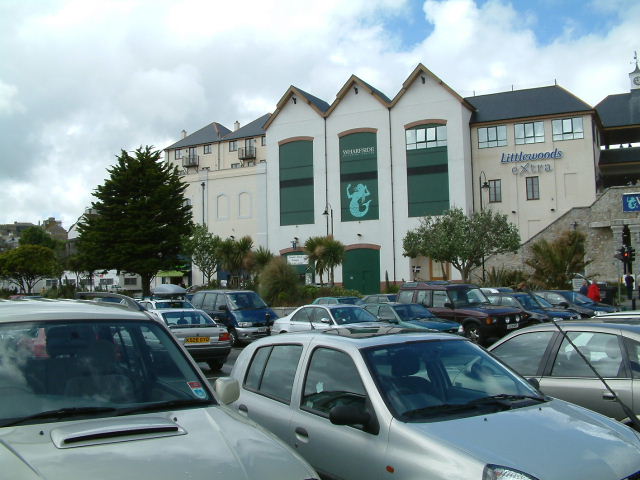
(252, 129)
(214, 132)
(377, 92)
(531, 102)
(620, 110)
(321, 104)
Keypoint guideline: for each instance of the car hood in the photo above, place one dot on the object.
(556, 312)
(208, 443)
(254, 315)
(433, 323)
(551, 440)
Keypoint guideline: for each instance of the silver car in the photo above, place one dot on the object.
(541, 352)
(100, 391)
(322, 317)
(206, 340)
(370, 403)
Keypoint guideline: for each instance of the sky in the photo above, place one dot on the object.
(81, 80)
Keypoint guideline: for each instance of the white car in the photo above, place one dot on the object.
(96, 390)
(153, 306)
(322, 317)
(369, 403)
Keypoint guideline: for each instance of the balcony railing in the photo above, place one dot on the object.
(245, 153)
(190, 161)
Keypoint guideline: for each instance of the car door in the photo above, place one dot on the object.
(316, 315)
(570, 378)
(300, 320)
(336, 451)
(437, 305)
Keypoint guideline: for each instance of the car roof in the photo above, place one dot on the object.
(225, 291)
(179, 310)
(32, 310)
(583, 325)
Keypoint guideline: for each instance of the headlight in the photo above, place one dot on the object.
(597, 312)
(496, 472)
(245, 324)
(517, 318)
(558, 319)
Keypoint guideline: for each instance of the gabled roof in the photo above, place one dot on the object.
(620, 110)
(422, 70)
(320, 106)
(252, 129)
(532, 102)
(209, 134)
(356, 81)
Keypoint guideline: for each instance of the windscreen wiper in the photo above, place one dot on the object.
(184, 402)
(501, 398)
(438, 409)
(59, 413)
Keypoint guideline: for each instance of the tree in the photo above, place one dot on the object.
(555, 263)
(332, 255)
(203, 247)
(235, 257)
(25, 265)
(314, 249)
(279, 282)
(141, 217)
(39, 236)
(461, 240)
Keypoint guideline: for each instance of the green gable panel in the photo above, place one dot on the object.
(359, 177)
(296, 183)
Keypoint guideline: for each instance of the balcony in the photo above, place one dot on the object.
(246, 153)
(190, 161)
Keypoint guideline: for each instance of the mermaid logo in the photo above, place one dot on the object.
(357, 205)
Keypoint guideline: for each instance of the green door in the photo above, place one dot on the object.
(361, 270)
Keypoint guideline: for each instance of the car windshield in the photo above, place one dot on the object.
(528, 301)
(431, 380)
(542, 301)
(160, 305)
(580, 299)
(409, 312)
(344, 315)
(51, 371)
(465, 297)
(187, 318)
(349, 300)
(245, 301)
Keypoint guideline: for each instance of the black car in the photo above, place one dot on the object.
(575, 301)
(538, 310)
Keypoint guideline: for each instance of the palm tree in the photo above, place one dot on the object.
(235, 256)
(332, 255)
(314, 248)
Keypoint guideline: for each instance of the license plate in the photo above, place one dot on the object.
(196, 340)
(262, 329)
(511, 326)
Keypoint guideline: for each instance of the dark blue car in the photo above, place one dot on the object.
(538, 310)
(575, 301)
(412, 315)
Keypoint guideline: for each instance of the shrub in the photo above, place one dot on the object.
(279, 283)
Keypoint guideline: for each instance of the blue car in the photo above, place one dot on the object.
(575, 301)
(412, 315)
(538, 310)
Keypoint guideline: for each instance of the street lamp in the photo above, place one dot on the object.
(484, 185)
(328, 213)
(203, 185)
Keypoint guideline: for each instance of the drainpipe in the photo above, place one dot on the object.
(393, 215)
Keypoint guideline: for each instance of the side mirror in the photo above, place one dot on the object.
(448, 305)
(563, 304)
(325, 320)
(534, 382)
(353, 415)
(223, 307)
(227, 390)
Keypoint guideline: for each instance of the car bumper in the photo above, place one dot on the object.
(209, 352)
(249, 334)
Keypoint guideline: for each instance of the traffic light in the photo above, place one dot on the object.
(626, 255)
(620, 254)
(632, 254)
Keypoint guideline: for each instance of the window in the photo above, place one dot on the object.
(178, 154)
(332, 379)
(273, 370)
(301, 316)
(131, 281)
(386, 313)
(492, 136)
(532, 132)
(263, 141)
(440, 298)
(601, 349)
(233, 146)
(567, 128)
(249, 142)
(533, 188)
(106, 281)
(495, 191)
(235, 165)
(426, 137)
(207, 148)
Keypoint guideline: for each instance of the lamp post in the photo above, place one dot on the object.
(484, 185)
(328, 213)
(203, 185)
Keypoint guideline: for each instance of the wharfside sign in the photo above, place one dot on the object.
(631, 202)
(529, 157)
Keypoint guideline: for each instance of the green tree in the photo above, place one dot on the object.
(461, 240)
(39, 236)
(332, 255)
(555, 263)
(25, 265)
(235, 256)
(141, 217)
(314, 249)
(278, 283)
(203, 247)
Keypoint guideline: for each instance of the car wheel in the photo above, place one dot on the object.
(235, 342)
(473, 332)
(215, 364)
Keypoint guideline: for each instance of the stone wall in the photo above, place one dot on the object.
(602, 223)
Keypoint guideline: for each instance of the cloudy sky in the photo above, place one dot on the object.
(82, 79)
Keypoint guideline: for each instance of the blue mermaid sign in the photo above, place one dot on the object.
(358, 205)
(358, 176)
(631, 202)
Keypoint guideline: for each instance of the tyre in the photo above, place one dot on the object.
(235, 342)
(473, 332)
(215, 364)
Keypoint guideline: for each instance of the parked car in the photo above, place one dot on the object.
(117, 397)
(360, 403)
(322, 317)
(536, 308)
(152, 306)
(334, 300)
(380, 298)
(575, 301)
(466, 305)
(412, 315)
(204, 339)
(243, 312)
(543, 353)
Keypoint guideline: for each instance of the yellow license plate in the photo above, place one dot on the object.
(196, 340)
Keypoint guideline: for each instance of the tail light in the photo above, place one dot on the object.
(224, 337)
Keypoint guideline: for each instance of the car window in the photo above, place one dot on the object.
(221, 301)
(554, 298)
(509, 302)
(272, 371)
(423, 297)
(316, 314)
(601, 349)
(172, 304)
(440, 297)
(633, 347)
(345, 315)
(331, 379)
(372, 308)
(412, 311)
(186, 317)
(301, 315)
(209, 301)
(386, 313)
(245, 301)
(524, 352)
(405, 296)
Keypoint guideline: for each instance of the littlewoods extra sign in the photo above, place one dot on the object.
(525, 159)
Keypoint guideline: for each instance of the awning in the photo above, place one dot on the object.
(169, 273)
